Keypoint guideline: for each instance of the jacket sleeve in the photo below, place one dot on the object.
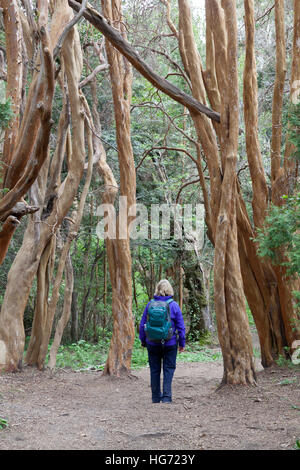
(142, 334)
(179, 326)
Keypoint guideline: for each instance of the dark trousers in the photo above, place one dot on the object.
(162, 357)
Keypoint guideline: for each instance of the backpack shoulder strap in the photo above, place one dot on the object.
(169, 301)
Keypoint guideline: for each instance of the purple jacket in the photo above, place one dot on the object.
(176, 320)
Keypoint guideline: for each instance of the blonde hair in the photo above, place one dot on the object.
(164, 288)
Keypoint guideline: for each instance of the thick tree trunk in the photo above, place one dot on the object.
(232, 322)
(13, 33)
(19, 282)
(28, 142)
(62, 322)
(268, 290)
(278, 89)
(118, 250)
(197, 303)
(258, 178)
(260, 287)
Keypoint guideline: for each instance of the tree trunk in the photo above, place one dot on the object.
(196, 303)
(28, 142)
(13, 33)
(62, 322)
(44, 275)
(122, 45)
(19, 282)
(196, 281)
(232, 322)
(40, 230)
(50, 309)
(278, 89)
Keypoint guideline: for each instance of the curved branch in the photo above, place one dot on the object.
(23, 181)
(152, 105)
(165, 148)
(184, 186)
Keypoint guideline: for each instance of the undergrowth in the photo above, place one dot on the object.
(88, 356)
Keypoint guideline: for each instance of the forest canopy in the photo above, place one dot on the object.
(143, 140)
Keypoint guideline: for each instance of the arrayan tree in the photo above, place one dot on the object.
(26, 142)
(268, 291)
(58, 60)
(52, 197)
(238, 271)
(32, 167)
(118, 249)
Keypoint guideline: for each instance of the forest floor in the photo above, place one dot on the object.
(85, 410)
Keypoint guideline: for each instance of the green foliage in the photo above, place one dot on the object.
(6, 113)
(3, 423)
(288, 381)
(294, 128)
(250, 316)
(82, 355)
(195, 352)
(139, 355)
(88, 32)
(284, 362)
(279, 239)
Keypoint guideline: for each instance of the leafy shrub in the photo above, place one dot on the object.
(87, 356)
(3, 423)
(6, 113)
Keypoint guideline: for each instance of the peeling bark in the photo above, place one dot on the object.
(118, 250)
(258, 178)
(13, 34)
(232, 322)
(39, 232)
(278, 89)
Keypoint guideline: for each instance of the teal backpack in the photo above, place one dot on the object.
(159, 327)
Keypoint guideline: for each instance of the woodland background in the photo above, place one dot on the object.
(112, 132)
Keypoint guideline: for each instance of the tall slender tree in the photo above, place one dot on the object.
(118, 249)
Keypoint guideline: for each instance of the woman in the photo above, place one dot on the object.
(165, 352)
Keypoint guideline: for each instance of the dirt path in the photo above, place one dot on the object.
(84, 410)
